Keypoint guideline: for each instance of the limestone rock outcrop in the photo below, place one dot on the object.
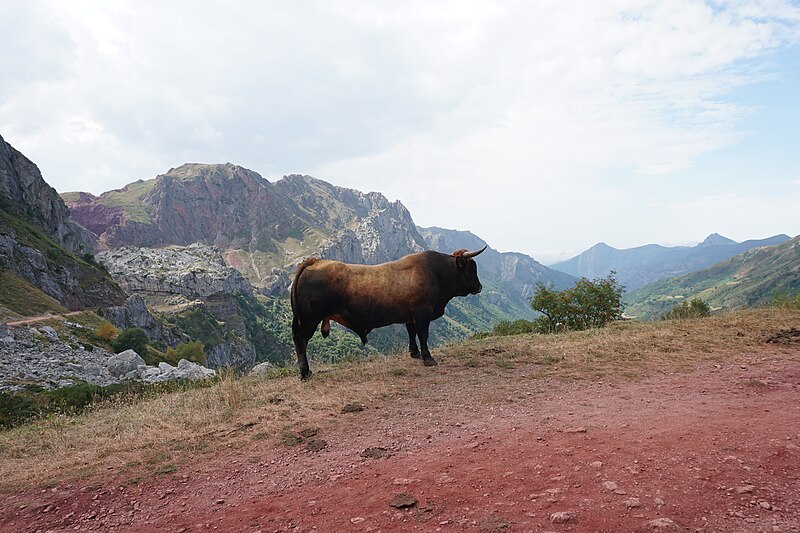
(196, 270)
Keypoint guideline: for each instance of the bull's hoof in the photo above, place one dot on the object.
(429, 361)
(415, 355)
(305, 376)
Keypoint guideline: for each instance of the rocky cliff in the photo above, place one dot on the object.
(41, 245)
(25, 195)
(227, 206)
(135, 314)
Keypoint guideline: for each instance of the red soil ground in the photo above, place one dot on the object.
(717, 449)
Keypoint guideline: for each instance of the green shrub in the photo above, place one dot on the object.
(784, 300)
(506, 327)
(193, 351)
(697, 308)
(589, 304)
(131, 339)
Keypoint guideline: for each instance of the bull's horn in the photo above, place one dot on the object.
(473, 254)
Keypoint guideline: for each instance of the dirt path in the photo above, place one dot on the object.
(41, 318)
(717, 449)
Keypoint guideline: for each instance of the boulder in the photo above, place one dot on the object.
(49, 333)
(123, 363)
(8, 343)
(150, 374)
(261, 368)
(189, 370)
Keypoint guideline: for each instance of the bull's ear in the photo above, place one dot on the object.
(461, 261)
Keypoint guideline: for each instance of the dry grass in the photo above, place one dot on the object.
(156, 436)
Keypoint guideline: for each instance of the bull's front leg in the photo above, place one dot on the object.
(422, 332)
(412, 340)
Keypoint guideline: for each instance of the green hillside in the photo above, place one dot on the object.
(748, 279)
(129, 199)
(20, 299)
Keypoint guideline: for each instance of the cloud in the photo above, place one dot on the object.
(724, 201)
(502, 118)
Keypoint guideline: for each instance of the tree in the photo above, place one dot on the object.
(697, 308)
(131, 339)
(589, 304)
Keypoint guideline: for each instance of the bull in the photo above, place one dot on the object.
(412, 290)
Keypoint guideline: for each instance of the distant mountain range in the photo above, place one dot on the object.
(636, 267)
(748, 279)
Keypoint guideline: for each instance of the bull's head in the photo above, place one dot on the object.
(467, 272)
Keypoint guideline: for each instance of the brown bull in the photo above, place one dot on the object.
(412, 290)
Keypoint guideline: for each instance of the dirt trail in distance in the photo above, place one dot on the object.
(41, 318)
(717, 449)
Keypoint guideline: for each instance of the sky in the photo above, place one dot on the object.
(543, 127)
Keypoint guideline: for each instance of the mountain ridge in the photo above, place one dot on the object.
(748, 279)
(640, 265)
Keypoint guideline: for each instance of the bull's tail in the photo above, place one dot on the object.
(293, 293)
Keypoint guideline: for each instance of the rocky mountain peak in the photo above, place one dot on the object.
(716, 239)
(25, 194)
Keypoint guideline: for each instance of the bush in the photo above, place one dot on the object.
(697, 308)
(131, 339)
(193, 351)
(106, 331)
(516, 327)
(784, 300)
(589, 304)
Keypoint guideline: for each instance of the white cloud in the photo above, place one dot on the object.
(723, 201)
(514, 120)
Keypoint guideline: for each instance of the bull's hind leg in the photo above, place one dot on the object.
(422, 332)
(412, 340)
(301, 335)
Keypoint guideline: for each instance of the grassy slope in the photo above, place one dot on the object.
(747, 279)
(143, 436)
(24, 299)
(129, 198)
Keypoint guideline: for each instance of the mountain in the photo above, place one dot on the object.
(636, 267)
(747, 279)
(259, 225)
(25, 195)
(42, 261)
